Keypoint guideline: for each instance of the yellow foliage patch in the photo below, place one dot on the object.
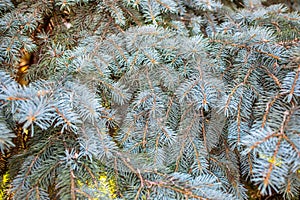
(105, 187)
(271, 159)
(3, 184)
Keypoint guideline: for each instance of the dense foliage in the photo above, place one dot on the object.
(149, 99)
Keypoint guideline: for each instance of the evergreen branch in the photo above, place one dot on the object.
(244, 46)
(134, 89)
(276, 80)
(267, 110)
(187, 193)
(266, 179)
(72, 189)
(228, 104)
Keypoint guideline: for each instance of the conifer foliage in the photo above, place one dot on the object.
(166, 99)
